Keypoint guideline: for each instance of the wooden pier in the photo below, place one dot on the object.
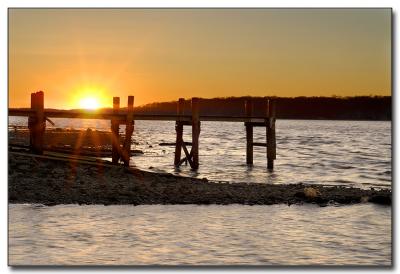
(38, 116)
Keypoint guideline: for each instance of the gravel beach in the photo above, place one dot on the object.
(52, 180)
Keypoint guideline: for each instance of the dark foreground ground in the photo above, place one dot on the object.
(53, 180)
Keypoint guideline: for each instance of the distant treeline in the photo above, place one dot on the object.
(336, 108)
(332, 108)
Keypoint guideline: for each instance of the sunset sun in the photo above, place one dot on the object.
(89, 103)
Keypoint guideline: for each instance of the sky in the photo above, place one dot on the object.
(84, 57)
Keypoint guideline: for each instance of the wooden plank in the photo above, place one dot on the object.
(74, 156)
(210, 118)
(184, 159)
(65, 158)
(189, 156)
(85, 114)
(259, 144)
(121, 116)
(257, 124)
(50, 121)
(83, 151)
(173, 144)
(116, 153)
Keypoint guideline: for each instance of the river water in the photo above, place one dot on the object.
(349, 153)
(193, 234)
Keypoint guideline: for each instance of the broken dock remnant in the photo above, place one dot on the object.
(122, 150)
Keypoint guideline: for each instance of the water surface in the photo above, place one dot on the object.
(192, 234)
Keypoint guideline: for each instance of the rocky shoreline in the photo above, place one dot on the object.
(52, 180)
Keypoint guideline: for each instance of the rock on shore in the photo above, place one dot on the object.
(51, 181)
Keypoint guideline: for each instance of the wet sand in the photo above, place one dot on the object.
(52, 180)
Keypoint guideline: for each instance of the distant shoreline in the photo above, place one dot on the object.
(53, 180)
(357, 108)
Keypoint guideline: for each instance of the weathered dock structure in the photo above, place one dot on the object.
(38, 116)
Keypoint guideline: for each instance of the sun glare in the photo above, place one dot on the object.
(90, 97)
(89, 103)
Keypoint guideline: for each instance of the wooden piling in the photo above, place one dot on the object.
(271, 138)
(249, 132)
(179, 132)
(31, 122)
(115, 133)
(37, 123)
(195, 132)
(41, 124)
(128, 132)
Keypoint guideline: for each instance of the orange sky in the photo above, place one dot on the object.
(161, 55)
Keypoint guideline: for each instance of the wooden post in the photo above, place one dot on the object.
(32, 122)
(126, 154)
(179, 132)
(249, 132)
(195, 132)
(41, 121)
(37, 123)
(115, 133)
(271, 138)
